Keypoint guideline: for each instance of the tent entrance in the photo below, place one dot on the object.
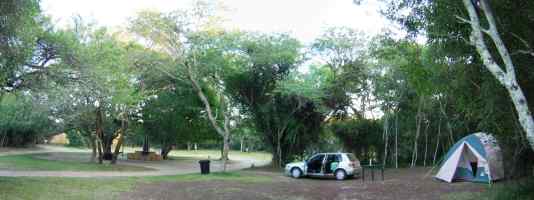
(468, 164)
(474, 167)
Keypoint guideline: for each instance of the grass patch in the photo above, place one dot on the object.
(31, 162)
(215, 154)
(516, 190)
(22, 188)
(19, 188)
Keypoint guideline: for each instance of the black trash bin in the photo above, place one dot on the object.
(204, 166)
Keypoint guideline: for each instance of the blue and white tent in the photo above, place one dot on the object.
(476, 157)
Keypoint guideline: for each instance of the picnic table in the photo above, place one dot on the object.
(372, 169)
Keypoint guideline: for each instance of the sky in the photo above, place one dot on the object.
(304, 19)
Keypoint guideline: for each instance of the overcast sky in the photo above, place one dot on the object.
(304, 19)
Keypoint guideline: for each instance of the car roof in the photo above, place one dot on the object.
(333, 153)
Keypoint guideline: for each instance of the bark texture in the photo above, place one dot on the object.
(506, 76)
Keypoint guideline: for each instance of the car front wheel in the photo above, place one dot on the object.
(296, 173)
(341, 175)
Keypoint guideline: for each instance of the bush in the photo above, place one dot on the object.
(75, 139)
(23, 121)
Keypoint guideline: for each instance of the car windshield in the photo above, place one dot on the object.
(351, 157)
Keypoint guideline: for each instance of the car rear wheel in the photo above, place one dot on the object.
(296, 173)
(340, 174)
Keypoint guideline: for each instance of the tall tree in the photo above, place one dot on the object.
(19, 27)
(506, 76)
(191, 40)
(284, 109)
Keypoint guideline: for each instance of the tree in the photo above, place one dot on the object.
(186, 37)
(170, 122)
(19, 26)
(283, 107)
(506, 76)
(468, 97)
(95, 67)
(344, 53)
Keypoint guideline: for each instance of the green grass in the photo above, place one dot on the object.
(214, 154)
(516, 190)
(19, 188)
(31, 162)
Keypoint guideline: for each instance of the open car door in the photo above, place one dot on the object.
(314, 165)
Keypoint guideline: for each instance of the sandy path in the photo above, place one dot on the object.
(171, 167)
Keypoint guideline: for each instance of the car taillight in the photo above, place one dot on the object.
(352, 165)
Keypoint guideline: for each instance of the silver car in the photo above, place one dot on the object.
(338, 165)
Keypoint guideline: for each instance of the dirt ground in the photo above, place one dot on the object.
(398, 184)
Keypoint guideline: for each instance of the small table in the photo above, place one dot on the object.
(372, 168)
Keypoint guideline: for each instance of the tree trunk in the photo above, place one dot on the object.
(437, 141)
(3, 139)
(165, 150)
(226, 149)
(449, 126)
(506, 78)
(224, 131)
(99, 133)
(93, 147)
(117, 150)
(146, 145)
(241, 146)
(396, 141)
(418, 119)
(107, 144)
(99, 148)
(276, 157)
(426, 143)
(386, 137)
(120, 137)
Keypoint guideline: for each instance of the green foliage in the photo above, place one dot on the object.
(19, 25)
(23, 120)
(287, 116)
(344, 52)
(169, 121)
(470, 97)
(76, 139)
(360, 136)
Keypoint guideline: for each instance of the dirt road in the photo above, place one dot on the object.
(399, 184)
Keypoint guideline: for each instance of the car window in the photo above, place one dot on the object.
(317, 158)
(333, 158)
(351, 157)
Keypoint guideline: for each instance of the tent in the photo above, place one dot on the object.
(476, 157)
